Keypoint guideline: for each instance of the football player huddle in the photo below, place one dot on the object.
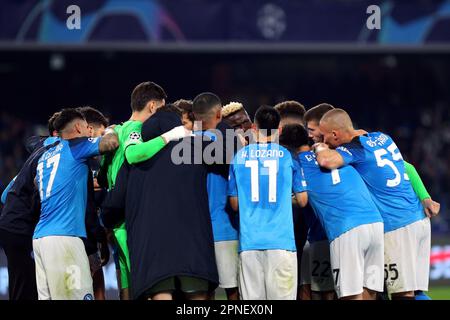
(194, 195)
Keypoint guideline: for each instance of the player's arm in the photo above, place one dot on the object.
(302, 198)
(431, 207)
(327, 158)
(416, 182)
(139, 152)
(109, 142)
(299, 186)
(5, 192)
(232, 189)
(234, 203)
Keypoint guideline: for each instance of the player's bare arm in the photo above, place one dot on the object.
(327, 158)
(234, 203)
(109, 142)
(302, 199)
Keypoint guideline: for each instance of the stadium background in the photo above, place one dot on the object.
(257, 52)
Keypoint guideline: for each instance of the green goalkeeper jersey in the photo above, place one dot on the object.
(128, 133)
(131, 148)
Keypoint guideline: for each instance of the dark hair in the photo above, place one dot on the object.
(65, 117)
(293, 136)
(316, 113)
(291, 109)
(145, 92)
(186, 107)
(93, 116)
(204, 103)
(267, 118)
(170, 108)
(51, 125)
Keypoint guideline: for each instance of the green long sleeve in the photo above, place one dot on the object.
(416, 182)
(136, 153)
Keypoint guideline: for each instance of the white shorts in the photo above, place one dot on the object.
(407, 257)
(357, 260)
(227, 260)
(62, 269)
(305, 272)
(320, 267)
(268, 275)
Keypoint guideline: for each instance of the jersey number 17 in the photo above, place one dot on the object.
(52, 162)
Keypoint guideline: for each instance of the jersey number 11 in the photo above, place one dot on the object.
(254, 178)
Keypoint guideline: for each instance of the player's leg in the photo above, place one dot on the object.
(41, 276)
(374, 262)
(97, 276)
(163, 290)
(301, 234)
(194, 288)
(305, 275)
(120, 235)
(21, 267)
(227, 260)
(322, 284)
(400, 258)
(423, 255)
(99, 285)
(67, 268)
(251, 276)
(347, 263)
(280, 270)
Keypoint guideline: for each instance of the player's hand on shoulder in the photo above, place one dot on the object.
(109, 142)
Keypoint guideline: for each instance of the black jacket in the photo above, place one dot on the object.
(166, 212)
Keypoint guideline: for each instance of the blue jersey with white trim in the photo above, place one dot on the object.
(339, 197)
(379, 162)
(61, 177)
(263, 177)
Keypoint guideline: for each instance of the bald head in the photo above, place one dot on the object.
(337, 119)
(336, 127)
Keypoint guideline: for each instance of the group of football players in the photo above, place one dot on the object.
(300, 205)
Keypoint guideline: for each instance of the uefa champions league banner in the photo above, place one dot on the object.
(412, 22)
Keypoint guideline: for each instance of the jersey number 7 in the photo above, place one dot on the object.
(51, 162)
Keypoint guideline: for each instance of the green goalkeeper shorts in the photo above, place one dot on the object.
(120, 234)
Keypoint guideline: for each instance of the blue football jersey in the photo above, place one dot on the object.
(263, 177)
(339, 197)
(223, 219)
(316, 232)
(379, 162)
(61, 176)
